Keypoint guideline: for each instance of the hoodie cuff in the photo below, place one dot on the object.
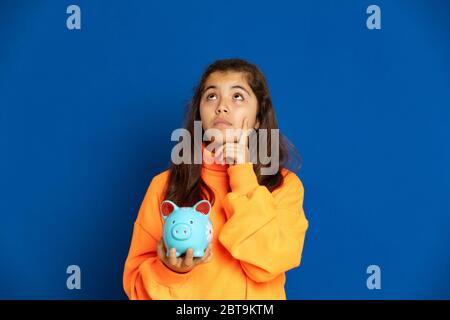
(243, 178)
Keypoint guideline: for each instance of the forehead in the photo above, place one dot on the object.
(226, 79)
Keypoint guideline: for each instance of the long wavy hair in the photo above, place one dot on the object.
(185, 185)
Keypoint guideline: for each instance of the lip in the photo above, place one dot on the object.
(221, 122)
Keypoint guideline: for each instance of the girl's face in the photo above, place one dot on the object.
(226, 101)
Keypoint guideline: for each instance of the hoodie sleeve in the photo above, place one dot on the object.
(265, 231)
(145, 275)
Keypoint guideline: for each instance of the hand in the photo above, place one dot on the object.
(183, 263)
(235, 152)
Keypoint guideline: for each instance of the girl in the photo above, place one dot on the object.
(258, 220)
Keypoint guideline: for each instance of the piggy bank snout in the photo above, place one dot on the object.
(181, 231)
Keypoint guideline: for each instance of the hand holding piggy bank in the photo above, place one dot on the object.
(187, 227)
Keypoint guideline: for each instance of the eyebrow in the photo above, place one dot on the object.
(233, 87)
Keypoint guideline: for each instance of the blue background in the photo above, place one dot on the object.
(86, 117)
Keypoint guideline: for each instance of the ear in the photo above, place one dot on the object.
(203, 207)
(167, 207)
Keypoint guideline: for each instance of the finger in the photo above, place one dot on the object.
(172, 257)
(224, 154)
(231, 152)
(240, 153)
(160, 250)
(206, 254)
(209, 258)
(199, 260)
(218, 155)
(188, 259)
(243, 138)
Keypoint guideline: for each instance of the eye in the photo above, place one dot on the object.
(238, 96)
(211, 96)
(173, 222)
(191, 222)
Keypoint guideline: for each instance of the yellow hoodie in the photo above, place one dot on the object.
(258, 236)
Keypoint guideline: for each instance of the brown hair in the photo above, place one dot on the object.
(185, 186)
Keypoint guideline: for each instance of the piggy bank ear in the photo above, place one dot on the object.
(203, 206)
(167, 207)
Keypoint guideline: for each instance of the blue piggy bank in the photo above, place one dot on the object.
(187, 227)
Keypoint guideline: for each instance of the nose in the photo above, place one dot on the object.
(181, 231)
(221, 109)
